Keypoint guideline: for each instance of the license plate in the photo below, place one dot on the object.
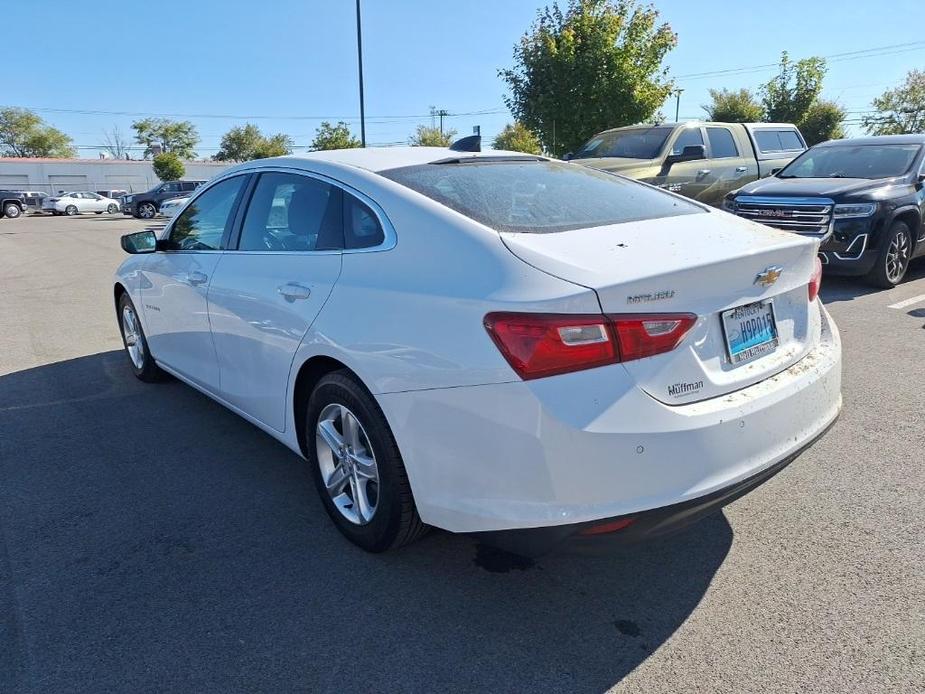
(750, 331)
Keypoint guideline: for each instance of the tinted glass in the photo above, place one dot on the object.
(171, 187)
(361, 226)
(722, 144)
(202, 224)
(777, 140)
(687, 138)
(639, 143)
(538, 196)
(857, 161)
(288, 212)
(789, 140)
(187, 185)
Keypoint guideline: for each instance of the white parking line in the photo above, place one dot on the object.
(908, 302)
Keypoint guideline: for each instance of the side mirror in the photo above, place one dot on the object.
(921, 178)
(689, 153)
(139, 242)
(568, 156)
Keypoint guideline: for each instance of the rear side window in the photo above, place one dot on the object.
(688, 137)
(288, 212)
(538, 196)
(361, 225)
(778, 141)
(203, 222)
(722, 144)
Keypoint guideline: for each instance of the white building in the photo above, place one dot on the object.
(55, 175)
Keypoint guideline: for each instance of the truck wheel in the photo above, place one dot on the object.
(146, 210)
(12, 210)
(893, 257)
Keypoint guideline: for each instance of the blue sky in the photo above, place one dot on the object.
(295, 60)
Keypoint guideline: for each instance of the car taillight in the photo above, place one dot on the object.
(815, 281)
(546, 344)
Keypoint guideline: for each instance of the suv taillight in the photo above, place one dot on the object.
(815, 281)
(546, 344)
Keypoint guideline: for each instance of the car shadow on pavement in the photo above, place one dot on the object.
(152, 540)
(836, 289)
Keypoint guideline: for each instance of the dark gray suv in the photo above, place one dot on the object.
(147, 205)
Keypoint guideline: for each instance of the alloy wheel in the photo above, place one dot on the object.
(146, 210)
(897, 257)
(347, 463)
(134, 344)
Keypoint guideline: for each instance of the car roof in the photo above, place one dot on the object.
(878, 140)
(378, 159)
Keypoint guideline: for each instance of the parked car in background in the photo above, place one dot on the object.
(863, 199)
(114, 194)
(80, 202)
(12, 203)
(34, 199)
(703, 161)
(147, 205)
(490, 343)
(170, 207)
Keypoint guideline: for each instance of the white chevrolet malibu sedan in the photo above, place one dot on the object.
(79, 202)
(489, 343)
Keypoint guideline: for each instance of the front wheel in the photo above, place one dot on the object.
(357, 467)
(112, 209)
(136, 345)
(146, 210)
(893, 259)
(70, 210)
(12, 210)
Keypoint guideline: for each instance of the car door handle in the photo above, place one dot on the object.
(703, 172)
(741, 169)
(291, 291)
(196, 278)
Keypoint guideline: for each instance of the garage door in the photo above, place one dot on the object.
(14, 181)
(68, 182)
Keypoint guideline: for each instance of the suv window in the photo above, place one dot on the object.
(288, 212)
(722, 144)
(172, 187)
(778, 141)
(687, 138)
(203, 222)
(188, 185)
(361, 225)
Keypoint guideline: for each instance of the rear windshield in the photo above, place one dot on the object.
(852, 161)
(638, 143)
(538, 196)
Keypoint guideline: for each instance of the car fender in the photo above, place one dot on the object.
(904, 210)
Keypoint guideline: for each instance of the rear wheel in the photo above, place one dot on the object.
(70, 210)
(357, 467)
(893, 259)
(136, 346)
(12, 210)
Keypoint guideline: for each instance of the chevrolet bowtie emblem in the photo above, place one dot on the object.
(768, 276)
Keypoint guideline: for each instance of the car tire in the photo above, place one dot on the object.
(100, 212)
(112, 209)
(136, 344)
(893, 257)
(370, 467)
(71, 210)
(12, 210)
(146, 210)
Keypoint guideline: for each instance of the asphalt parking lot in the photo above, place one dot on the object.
(150, 540)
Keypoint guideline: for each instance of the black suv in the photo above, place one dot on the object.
(146, 205)
(863, 198)
(12, 203)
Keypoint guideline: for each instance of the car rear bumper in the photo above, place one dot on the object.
(589, 446)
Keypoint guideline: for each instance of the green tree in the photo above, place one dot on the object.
(425, 136)
(24, 134)
(179, 137)
(517, 138)
(823, 121)
(597, 64)
(246, 142)
(733, 106)
(337, 136)
(901, 110)
(168, 166)
(788, 97)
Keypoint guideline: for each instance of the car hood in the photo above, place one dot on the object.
(814, 187)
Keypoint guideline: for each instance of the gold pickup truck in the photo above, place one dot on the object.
(703, 161)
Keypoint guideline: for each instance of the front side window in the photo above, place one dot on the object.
(689, 137)
(537, 196)
(852, 161)
(722, 144)
(204, 221)
(636, 143)
(288, 212)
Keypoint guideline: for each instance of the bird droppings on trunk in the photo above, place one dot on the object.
(498, 561)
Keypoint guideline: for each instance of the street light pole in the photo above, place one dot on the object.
(360, 68)
(677, 102)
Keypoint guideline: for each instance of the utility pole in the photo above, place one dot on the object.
(441, 113)
(677, 102)
(360, 68)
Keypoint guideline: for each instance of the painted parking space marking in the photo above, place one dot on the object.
(908, 302)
